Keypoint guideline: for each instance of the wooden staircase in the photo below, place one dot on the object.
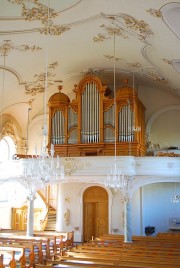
(51, 220)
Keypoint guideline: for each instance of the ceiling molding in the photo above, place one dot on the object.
(13, 72)
(158, 113)
(170, 15)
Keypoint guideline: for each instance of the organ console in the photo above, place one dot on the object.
(86, 125)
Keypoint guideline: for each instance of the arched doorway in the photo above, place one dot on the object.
(95, 212)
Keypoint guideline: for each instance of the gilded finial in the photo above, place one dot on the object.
(60, 88)
(126, 82)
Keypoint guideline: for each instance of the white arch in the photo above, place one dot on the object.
(139, 182)
(12, 71)
(158, 113)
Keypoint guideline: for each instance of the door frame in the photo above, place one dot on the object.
(110, 198)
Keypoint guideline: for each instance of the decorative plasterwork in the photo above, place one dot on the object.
(123, 25)
(110, 57)
(167, 61)
(176, 65)
(72, 164)
(93, 72)
(8, 130)
(14, 73)
(153, 72)
(54, 29)
(39, 11)
(170, 15)
(38, 85)
(30, 102)
(8, 45)
(155, 13)
(42, 13)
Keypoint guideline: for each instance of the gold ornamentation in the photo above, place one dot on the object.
(71, 165)
(139, 26)
(41, 13)
(38, 12)
(120, 24)
(30, 102)
(108, 105)
(74, 107)
(134, 65)
(115, 29)
(38, 86)
(100, 37)
(53, 65)
(155, 13)
(170, 62)
(8, 130)
(68, 199)
(110, 57)
(157, 77)
(54, 29)
(7, 46)
(93, 72)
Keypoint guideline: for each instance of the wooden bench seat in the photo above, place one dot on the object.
(142, 253)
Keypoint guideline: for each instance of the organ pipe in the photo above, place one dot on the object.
(90, 114)
(90, 119)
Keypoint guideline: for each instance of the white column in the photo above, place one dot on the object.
(127, 220)
(60, 209)
(30, 217)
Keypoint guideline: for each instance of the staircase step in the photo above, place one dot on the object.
(51, 221)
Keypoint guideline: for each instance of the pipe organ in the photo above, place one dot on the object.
(86, 125)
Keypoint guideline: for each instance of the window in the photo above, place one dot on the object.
(7, 148)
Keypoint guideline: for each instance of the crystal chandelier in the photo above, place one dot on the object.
(45, 167)
(115, 179)
(176, 198)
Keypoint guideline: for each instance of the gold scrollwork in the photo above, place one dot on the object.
(170, 62)
(155, 13)
(37, 86)
(41, 13)
(138, 25)
(8, 45)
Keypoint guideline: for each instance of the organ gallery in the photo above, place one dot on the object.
(85, 126)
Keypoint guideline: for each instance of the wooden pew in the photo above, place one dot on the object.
(59, 242)
(1, 261)
(39, 248)
(151, 253)
(13, 262)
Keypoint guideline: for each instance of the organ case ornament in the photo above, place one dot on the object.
(85, 126)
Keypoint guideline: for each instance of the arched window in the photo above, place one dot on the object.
(7, 148)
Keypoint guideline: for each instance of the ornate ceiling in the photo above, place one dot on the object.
(63, 40)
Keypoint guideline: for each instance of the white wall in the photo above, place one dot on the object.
(5, 219)
(68, 198)
(151, 205)
(137, 212)
(157, 205)
(165, 130)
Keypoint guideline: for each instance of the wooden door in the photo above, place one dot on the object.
(95, 212)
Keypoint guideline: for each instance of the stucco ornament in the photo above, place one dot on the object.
(67, 216)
